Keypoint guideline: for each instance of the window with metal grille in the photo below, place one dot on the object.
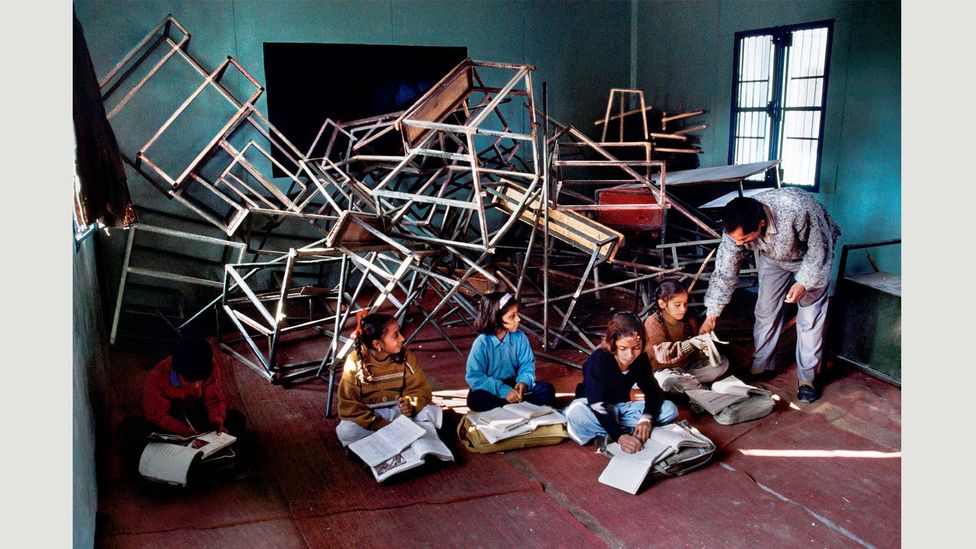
(779, 92)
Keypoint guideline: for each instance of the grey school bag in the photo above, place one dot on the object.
(754, 407)
(687, 459)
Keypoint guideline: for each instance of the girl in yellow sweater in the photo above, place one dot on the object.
(381, 380)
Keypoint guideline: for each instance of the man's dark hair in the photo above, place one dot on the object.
(743, 212)
(193, 359)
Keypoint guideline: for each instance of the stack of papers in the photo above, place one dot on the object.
(513, 420)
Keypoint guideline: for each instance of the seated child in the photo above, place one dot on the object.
(602, 409)
(183, 395)
(381, 380)
(501, 366)
(673, 343)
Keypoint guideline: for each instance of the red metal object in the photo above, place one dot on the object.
(637, 218)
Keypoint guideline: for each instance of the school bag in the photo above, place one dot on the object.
(710, 364)
(731, 401)
(687, 458)
(474, 441)
(754, 407)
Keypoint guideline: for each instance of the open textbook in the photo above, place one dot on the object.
(513, 420)
(723, 394)
(169, 459)
(627, 471)
(510, 415)
(400, 446)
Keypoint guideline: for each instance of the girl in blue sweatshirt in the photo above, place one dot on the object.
(501, 366)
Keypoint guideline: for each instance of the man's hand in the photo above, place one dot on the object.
(796, 293)
(643, 430)
(521, 387)
(405, 407)
(514, 396)
(219, 428)
(708, 325)
(629, 444)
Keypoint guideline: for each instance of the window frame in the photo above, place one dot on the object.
(774, 108)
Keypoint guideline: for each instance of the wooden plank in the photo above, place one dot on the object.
(353, 234)
(568, 226)
(721, 201)
(440, 101)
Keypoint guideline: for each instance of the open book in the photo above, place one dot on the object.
(414, 455)
(510, 415)
(169, 461)
(677, 437)
(387, 442)
(400, 446)
(724, 393)
(513, 420)
(627, 471)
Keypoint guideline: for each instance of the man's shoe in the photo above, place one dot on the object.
(806, 393)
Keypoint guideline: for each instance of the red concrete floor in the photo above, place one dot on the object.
(823, 474)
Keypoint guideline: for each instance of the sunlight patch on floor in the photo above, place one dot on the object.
(873, 454)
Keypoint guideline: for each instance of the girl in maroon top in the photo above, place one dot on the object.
(673, 344)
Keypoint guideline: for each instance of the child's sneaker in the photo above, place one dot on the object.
(600, 442)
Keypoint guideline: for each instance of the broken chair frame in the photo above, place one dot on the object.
(442, 128)
(224, 194)
(129, 269)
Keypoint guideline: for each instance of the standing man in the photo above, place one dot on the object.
(795, 238)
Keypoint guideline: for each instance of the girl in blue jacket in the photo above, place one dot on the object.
(501, 366)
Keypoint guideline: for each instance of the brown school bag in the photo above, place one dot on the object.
(474, 441)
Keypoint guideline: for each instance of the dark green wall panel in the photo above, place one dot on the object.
(684, 62)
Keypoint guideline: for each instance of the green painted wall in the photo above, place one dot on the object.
(580, 47)
(90, 349)
(684, 62)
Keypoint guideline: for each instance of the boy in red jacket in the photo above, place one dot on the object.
(183, 395)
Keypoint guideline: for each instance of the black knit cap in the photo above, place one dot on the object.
(193, 359)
